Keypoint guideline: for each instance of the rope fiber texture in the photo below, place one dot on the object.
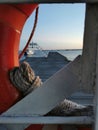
(70, 108)
(25, 80)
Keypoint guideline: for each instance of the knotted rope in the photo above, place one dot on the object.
(70, 108)
(24, 79)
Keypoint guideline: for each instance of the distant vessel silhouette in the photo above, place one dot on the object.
(35, 50)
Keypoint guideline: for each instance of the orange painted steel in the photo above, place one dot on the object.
(35, 127)
(12, 19)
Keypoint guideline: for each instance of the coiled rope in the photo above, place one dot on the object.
(25, 80)
(32, 33)
(70, 108)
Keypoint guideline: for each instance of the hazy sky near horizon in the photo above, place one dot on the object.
(60, 26)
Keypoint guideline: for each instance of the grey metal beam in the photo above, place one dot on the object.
(96, 85)
(47, 120)
(48, 1)
(90, 48)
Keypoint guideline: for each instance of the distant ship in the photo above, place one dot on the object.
(35, 50)
(30, 49)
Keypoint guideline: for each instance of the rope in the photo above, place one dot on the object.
(32, 33)
(25, 80)
(70, 108)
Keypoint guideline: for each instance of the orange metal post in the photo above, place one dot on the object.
(12, 19)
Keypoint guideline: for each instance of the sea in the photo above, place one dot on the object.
(70, 54)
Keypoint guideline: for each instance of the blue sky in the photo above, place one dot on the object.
(60, 26)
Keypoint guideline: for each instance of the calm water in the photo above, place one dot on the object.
(70, 54)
